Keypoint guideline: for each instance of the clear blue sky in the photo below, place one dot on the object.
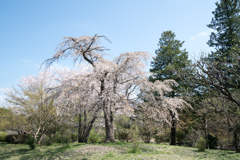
(30, 30)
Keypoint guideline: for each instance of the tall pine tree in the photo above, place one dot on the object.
(226, 26)
(225, 39)
(170, 58)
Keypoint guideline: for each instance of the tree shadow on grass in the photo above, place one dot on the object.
(13, 153)
(2, 144)
(217, 154)
(199, 151)
(58, 152)
(53, 153)
(223, 152)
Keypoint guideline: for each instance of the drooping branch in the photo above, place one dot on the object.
(83, 47)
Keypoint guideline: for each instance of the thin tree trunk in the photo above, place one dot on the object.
(236, 139)
(205, 126)
(40, 140)
(85, 128)
(35, 135)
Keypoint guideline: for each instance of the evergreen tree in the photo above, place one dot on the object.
(170, 58)
(166, 65)
(226, 24)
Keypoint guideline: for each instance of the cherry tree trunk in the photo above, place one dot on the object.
(173, 129)
(173, 134)
(109, 126)
(82, 139)
(84, 134)
(85, 127)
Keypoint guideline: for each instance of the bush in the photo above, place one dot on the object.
(31, 142)
(135, 143)
(147, 131)
(64, 137)
(123, 122)
(2, 136)
(180, 135)
(73, 137)
(123, 128)
(212, 142)
(146, 137)
(160, 137)
(10, 139)
(57, 138)
(201, 144)
(47, 141)
(21, 138)
(191, 138)
(225, 142)
(95, 137)
(135, 148)
(123, 135)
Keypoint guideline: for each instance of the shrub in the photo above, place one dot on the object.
(57, 138)
(123, 128)
(21, 138)
(47, 141)
(123, 121)
(147, 130)
(180, 135)
(146, 137)
(95, 137)
(225, 142)
(31, 142)
(135, 148)
(146, 133)
(135, 143)
(212, 142)
(201, 144)
(64, 136)
(2, 136)
(123, 135)
(191, 138)
(160, 137)
(10, 139)
(73, 137)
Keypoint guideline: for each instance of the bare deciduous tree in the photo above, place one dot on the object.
(222, 80)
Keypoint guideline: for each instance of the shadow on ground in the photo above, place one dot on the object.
(56, 152)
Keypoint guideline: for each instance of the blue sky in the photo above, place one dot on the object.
(30, 30)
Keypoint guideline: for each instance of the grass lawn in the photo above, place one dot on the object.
(111, 151)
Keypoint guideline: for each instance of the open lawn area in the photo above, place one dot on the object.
(111, 151)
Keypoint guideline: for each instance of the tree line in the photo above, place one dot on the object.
(179, 101)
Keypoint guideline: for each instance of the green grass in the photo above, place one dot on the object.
(111, 151)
